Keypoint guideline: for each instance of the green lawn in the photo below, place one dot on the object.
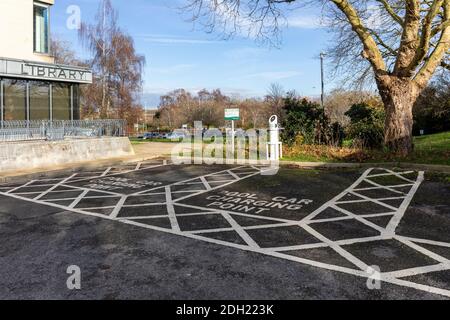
(428, 149)
(432, 149)
(433, 142)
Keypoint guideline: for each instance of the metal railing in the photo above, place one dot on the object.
(22, 130)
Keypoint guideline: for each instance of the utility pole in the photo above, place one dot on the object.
(322, 96)
(105, 108)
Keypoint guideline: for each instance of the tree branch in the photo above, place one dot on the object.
(391, 12)
(439, 28)
(382, 43)
(436, 57)
(408, 45)
(445, 65)
(371, 51)
(425, 39)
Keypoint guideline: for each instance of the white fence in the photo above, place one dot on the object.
(22, 130)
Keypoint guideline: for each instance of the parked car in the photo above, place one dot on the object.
(150, 135)
(176, 135)
(159, 135)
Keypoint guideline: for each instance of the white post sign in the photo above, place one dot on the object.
(232, 115)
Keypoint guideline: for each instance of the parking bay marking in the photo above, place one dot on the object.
(387, 277)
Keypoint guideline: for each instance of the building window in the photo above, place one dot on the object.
(39, 100)
(76, 102)
(14, 99)
(41, 28)
(61, 101)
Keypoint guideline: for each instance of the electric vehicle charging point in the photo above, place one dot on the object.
(274, 146)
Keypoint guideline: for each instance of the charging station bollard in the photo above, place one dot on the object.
(274, 146)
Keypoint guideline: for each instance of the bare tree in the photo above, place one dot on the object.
(127, 74)
(63, 53)
(403, 41)
(117, 67)
(275, 92)
(256, 111)
(339, 101)
(274, 97)
(98, 38)
(181, 107)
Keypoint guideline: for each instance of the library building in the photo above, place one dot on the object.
(32, 86)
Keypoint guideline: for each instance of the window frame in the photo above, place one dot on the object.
(1, 103)
(55, 113)
(3, 98)
(47, 7)
(32, 108)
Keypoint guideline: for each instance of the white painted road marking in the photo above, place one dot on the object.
(308, 223)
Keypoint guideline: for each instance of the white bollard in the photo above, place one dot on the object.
(274, 145)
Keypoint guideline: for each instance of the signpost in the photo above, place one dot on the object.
(232, 115)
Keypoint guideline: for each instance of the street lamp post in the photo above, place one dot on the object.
(322, 96)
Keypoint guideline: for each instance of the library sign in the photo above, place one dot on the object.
(50, 72)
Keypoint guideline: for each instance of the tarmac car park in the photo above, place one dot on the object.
(157, 230)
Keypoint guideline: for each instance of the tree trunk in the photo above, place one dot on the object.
(103, 110)
(399, 96)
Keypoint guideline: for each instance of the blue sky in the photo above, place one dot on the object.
(180, 55)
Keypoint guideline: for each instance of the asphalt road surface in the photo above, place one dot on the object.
(154, 230)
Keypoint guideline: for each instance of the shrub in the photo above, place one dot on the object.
(432, 109)
(366, 128)
(307, 119)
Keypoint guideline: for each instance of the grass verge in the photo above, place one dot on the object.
(429, 149)
(135, 141)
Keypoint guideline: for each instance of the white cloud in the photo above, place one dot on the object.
(173, 69)
(170, 39)
(305, 22)
(274, 75)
